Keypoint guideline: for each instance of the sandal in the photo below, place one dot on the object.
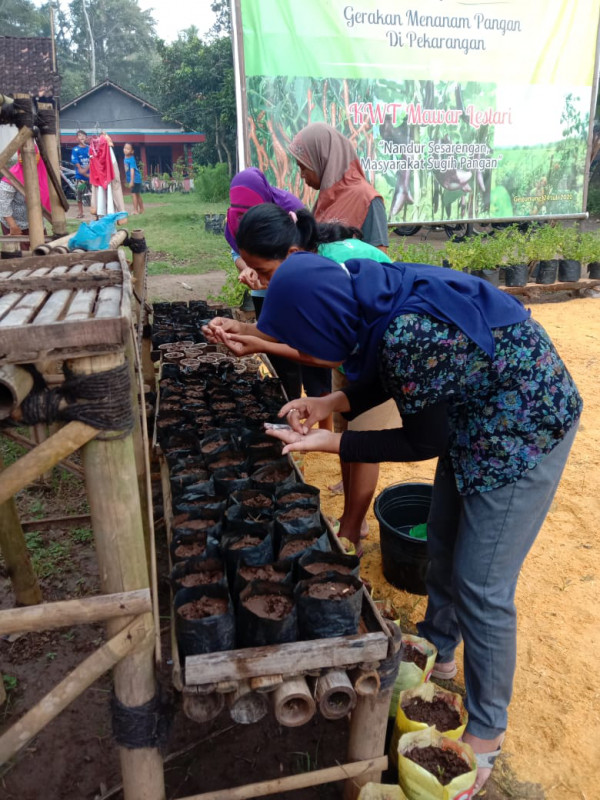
(485, 764)
(337, 488)
(444, 670)
(335, 524)
(350, 548)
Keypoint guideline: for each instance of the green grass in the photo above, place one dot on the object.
(48, 559)
(173, 225)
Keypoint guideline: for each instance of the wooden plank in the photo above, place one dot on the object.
(8, 300)
(59, 339)
(535, 289)
(57, 259)
(57, 302)
(82, 305)
(285, 659)
(51, 283)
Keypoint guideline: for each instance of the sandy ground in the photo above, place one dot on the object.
(554, 732)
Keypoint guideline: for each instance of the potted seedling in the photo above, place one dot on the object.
(569, 267)
(516, 272)
(432, 765)
(486, 256)
(459, 255)
(543, 246)
(589, 253)
(416, 253)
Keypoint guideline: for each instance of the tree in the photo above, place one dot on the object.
(22, 18)
(222, 25)
(196, 85)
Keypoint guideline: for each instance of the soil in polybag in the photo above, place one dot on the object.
(315, 563)
(272, 477)
(444, 764)
(256, 548)
(266, 615)
(204, 620)
(438, 713)
(329, 607)
(298, 494)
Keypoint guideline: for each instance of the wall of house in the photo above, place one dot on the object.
(111, 109)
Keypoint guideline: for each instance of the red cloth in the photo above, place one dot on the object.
(101, 168)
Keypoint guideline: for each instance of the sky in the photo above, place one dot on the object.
(172, 16)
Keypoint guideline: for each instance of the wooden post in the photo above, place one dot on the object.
(16, 556)
(114, 500)
(367, 737)
(29, 158)
(138, 267)
(132, 638)
(59, 219)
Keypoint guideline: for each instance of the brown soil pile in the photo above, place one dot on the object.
(294, 546)
(295, 513)
(267, 572)
(411, 655)
(554, 727)
(245, 541)
(189, 550)
(318, 567)
(202, 578)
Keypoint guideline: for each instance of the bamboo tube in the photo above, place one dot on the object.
(367, 738)
(226, 687)
(292, 782)
(114, 500)
(203, 707)
(366, 682)
(14, 146)
(335, 695)
(45, 456)
(59, 219)
(14, 551)
(246, 706)
(117, 239)
(74, 612)
(266, 683)
(32, 194)
(293, 704)
(132, 638)
(15, 385)
(55, 246)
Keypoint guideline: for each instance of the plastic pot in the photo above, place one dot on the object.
(516, 274)
(398, 509)
(207, 634)
(266, 614)
(333, 614)
(547, 271)
(569, 270)
(594, 270)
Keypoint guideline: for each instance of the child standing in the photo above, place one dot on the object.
(134, 179)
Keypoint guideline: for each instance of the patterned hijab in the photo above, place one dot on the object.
(345, 194)
(250, 188)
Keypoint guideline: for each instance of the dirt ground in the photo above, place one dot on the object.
(552, 749)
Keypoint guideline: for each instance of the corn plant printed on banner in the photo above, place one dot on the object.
(458, 110)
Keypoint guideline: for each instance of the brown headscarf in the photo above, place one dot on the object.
(345, 194)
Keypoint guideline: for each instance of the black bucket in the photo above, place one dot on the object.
(398, 509)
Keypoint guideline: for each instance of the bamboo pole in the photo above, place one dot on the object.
(367, 738)
(32, 194)
(74, 469)
(114, 500)
(14, 146)
(117, 239)
(14, 551)
(292, 782)
(45, 249)
(59, 219)
(133, 638)
(45, 456)
(366, 682)
(74, 612)
(138, 268)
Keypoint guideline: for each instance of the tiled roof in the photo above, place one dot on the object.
(26, 66)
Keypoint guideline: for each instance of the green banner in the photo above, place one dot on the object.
(458, 110)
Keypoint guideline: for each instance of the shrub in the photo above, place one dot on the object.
(212, 183)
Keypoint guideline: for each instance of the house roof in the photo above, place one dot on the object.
(113, 85)
(26, 66)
